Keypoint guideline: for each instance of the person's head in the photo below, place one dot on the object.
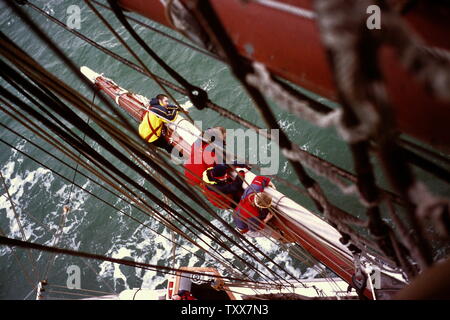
(163, 99)
(219, 173)
(262, 200)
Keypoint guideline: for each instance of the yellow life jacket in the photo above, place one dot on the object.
(150, 127)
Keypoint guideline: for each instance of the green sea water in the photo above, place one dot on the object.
(91, 226)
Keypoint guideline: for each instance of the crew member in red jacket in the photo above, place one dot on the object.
(252, 213)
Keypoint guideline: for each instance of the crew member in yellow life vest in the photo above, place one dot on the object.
(152, 128)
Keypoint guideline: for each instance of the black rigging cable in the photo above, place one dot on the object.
(184, 43)
(92, 152)
(95, 196)
(197, 95)
(31, 23)
(223, 112)
(30, 245)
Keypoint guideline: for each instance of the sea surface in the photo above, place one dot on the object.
(39, 194)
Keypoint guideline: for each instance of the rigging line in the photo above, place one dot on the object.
(213, 26)
(123, 42)
(52, 81)
(104, 201)
(77, 164)
(27, 213)
(68, 62)
(86, 262)
(127, 159)
(16, 85)
(60, 147)
(272, 230)
(331, 246)
(21, 267)
(194, 243)
(17, 218)
(166, 209)
(217, 31)
(26, 94)
(163, 269)
(166, 200)
(219, 192)
(179, 232)
(71, 156)
(417, 160)
(79, 289)
(207, 53)
(371, 92)
(197, 95)
(29, 22)
(241, 237)
(209, 104)
(73, 30)
(111, 205)
(302, 251)
(29, 293)
(71, 293)
(66, 209)
(111, 53)
(160, 170)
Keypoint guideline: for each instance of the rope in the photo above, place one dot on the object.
(21, 267)
(184, 43)
(370, 90)
(102, 200)
(66, 208)
(136, 264)
(222, 111)
(17, 218)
